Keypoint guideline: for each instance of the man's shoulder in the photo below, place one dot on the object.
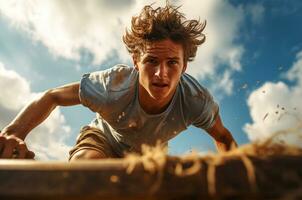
(122, 77)
(191, 88)
(121, 68)
(116, 78)
(106, 90)
(116, 69)
(197, 101)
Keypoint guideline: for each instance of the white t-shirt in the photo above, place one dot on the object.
(113, 95)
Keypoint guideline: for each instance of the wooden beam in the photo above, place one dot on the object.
(195, 178)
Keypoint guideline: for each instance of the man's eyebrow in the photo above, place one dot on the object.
(174, 58)
(150, 56)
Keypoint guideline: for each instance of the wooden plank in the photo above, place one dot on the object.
(196, 178)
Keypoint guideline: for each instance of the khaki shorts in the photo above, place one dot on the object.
(93, 138)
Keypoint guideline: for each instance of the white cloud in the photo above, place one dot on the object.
(48, 139)
(295, 73)
(13, 93)
(68, 27)
(276, 107)
(223, 84)
(220, 48)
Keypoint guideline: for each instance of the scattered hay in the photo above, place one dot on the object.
(154, 160)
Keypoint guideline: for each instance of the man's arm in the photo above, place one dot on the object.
(32, 115)
(222, 136)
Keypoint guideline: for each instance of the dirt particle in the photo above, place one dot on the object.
(114, 179)
(132, 124)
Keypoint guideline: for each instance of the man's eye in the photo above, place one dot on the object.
(151, 61)
(172, 62)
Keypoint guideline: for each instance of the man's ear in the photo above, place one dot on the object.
(134, 59)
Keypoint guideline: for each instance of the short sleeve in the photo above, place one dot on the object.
(93, 92)
(208, 112)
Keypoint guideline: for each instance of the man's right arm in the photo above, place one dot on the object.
(32, 115)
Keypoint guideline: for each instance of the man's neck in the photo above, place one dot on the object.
(151, 105)
(153, 108)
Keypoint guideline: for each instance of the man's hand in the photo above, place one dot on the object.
(222, 136)
(13, 147)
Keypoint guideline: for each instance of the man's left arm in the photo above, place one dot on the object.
(222, 136)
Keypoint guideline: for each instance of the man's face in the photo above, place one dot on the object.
(160, 67)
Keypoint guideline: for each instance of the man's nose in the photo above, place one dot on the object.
(161, 70)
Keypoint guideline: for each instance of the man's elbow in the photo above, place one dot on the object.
(50, 97)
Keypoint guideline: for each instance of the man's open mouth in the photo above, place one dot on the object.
(161, 85)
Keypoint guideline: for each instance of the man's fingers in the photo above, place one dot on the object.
(30, 155)
(2, 140)
(8, 148)
(13, 147)
(21, 150)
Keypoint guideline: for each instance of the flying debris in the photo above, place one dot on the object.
(265, 116)
(244, 86)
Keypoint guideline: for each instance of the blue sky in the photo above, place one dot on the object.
(250, 62)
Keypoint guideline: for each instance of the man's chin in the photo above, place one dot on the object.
(159, 97)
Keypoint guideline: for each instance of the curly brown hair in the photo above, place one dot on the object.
(164, 23)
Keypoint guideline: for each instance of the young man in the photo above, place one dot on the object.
(152, 101)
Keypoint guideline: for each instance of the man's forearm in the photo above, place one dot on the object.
(31, 116)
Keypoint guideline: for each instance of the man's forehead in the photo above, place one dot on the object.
(162, 47)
